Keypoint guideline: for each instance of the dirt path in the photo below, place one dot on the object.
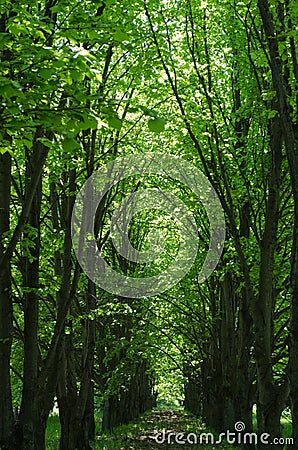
(160, 430)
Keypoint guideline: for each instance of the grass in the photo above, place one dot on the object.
(136, 435)
(285, 423)
(53, 432)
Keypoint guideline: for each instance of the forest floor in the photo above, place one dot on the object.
(156, 430)
(161, 429)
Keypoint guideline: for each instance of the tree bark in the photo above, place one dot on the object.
(6, 412)
(271, 397)
(289, 129)
(28, 410)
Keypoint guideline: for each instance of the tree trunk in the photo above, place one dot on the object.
(289, 129)
(271, 397)
(137, 398)
(193, 396)
(6, 412)
(28, 411)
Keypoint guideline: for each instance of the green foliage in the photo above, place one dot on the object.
(53, 432)
(86, 85)
(156, 125)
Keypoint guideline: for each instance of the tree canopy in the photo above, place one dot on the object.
(212, 85)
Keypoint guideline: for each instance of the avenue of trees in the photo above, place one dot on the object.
(82, 83)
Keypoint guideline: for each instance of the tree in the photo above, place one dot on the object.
(82, 84)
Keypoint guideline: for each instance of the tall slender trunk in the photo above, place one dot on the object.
(6, 307)
(6, 412)
(76, 408)
(211, 369)
(293, 364)
(129, 403)
(228, 352)
(289, 129)
(271, 397)
(28, 411)
(87, 433)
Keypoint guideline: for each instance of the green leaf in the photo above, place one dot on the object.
(4, 38)
(92, 34)
(157, 125)
(272, 113)
(76, 75)
(46, 142)
(89, 122)
(149, 112)
(46, 73)
(13, 110)
(115, 122)
(4, 150)
(69, 144)
(11, 89)
(121, 36)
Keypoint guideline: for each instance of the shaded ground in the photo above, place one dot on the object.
(147, 433)
(160, 430)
